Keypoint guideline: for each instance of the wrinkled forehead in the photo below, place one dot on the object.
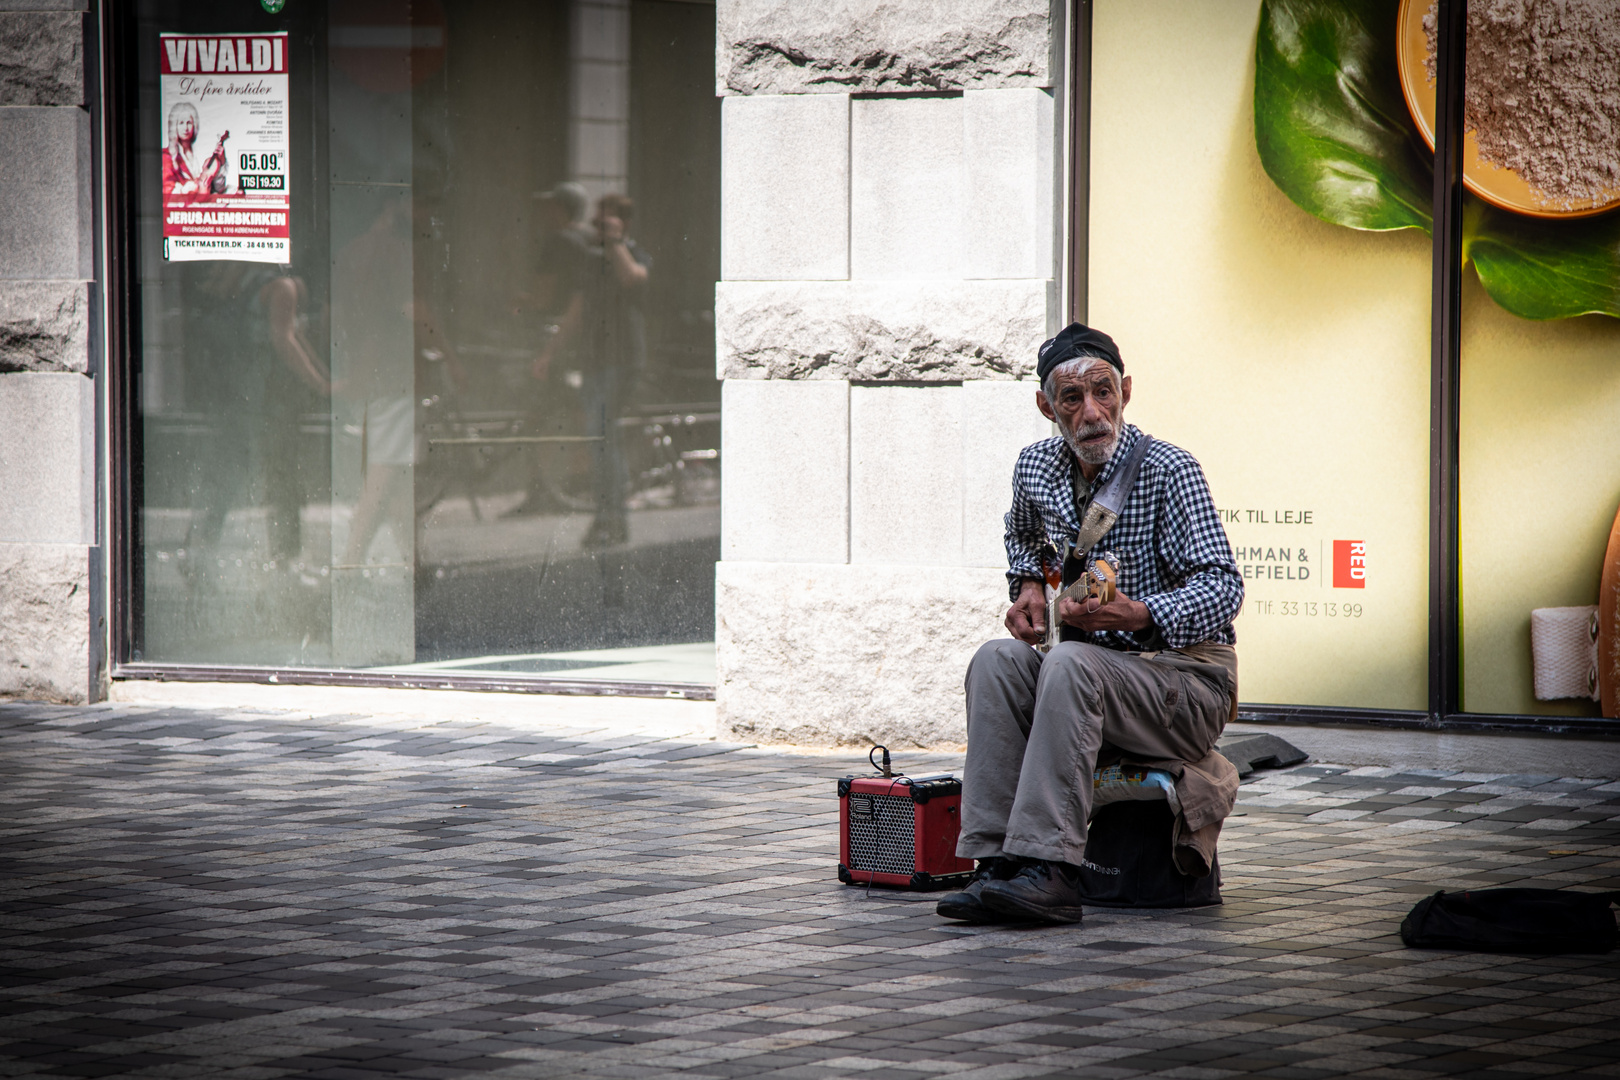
(1084, 371)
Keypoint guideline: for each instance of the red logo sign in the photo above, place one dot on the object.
(1349, 564)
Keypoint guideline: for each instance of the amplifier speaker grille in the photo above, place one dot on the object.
(882, 833)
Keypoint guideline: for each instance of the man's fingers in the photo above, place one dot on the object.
(1021, 620)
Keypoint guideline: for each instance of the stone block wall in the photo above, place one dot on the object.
(51, 618)
(888, 262)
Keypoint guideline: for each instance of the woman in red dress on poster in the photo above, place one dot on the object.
(181, 174)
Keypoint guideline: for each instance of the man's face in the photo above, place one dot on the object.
(1088, 405)
(609, 226)
(186, 129)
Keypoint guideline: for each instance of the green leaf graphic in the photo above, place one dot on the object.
(1335, 136)
(1545, 269)
(1329, 120)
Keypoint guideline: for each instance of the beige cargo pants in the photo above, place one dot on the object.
(1036, 722)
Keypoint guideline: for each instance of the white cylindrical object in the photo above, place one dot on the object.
(1563, 650)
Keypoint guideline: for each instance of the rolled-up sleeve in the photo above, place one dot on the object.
(1191, 548)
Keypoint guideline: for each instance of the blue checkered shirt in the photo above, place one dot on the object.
(1173, 552)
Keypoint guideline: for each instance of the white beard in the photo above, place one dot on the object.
(1092, 454)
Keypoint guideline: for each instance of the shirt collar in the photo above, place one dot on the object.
(1060, 468)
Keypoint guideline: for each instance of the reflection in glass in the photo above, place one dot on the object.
(474, 425)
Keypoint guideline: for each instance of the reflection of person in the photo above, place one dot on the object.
(605, 315)
(285, 300)
(290, 385)
(565, 254)
(376, 270)
(564, 247)
(182, 175)
(393, 334)
(252, 373)
(1037, 723)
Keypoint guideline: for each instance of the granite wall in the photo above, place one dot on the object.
(52, 622)
(888, 255)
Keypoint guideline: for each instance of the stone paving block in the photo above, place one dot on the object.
(47, 458)
(45, 217)
(905, 475)
(841, 46)
(785, 187)
(237, 912)
(906, 179)
(41, 55)
(790, 504)
(877, 331)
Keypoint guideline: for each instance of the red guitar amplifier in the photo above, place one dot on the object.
(901, 831)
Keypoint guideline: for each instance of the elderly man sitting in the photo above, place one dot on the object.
(1149, 676)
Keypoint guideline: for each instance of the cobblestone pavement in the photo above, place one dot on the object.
(236, 894)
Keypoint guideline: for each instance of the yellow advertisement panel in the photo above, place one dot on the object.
(1260, 201)
(1289, 355)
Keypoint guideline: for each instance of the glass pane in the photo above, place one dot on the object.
(466, 417)
(1268, 331)
(1540, 563)
(1538, 497)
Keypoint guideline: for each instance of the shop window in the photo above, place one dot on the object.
(1539, 386)
(425, 372)
(1261, 196)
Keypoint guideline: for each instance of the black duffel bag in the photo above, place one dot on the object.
(1128, 861)
(1513, 920)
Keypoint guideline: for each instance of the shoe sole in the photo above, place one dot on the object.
(978, 914)
(969, 913)
(1018, 909)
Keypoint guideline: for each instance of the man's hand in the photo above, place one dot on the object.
(1026, 619)
(1090, 613)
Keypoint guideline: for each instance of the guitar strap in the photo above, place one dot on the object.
(1106, 504)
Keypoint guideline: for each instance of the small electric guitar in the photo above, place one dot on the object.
(1101, 581)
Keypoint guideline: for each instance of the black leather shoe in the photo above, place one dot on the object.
(965, 906)
(1041, 890)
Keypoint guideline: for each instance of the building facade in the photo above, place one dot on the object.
(672, 348)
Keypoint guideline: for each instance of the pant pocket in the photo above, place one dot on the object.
(1207, 700)
(1170, 698)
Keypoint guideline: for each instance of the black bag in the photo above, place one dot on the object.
(1128, 864)
(1513, 920)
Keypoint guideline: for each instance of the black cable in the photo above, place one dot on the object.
(894, 778)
